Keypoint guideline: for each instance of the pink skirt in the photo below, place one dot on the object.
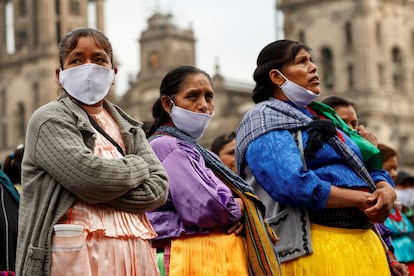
(116, 243)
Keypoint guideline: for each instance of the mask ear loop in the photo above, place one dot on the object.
(171, 99)
(283, 76)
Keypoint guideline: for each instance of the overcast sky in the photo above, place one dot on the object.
(230, 31)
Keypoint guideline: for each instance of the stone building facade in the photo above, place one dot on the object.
(364, 51)
(27, 73)
(27, 70)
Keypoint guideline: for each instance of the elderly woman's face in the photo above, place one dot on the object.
(302, 71)
(196, 94)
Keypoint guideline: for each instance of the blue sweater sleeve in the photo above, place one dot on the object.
(382, 175)
(276, 163)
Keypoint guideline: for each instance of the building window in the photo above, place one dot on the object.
(3, 136)
(397, 68)
(21, 40)
(3, 101)
(350, 70)
(57, 7)
(21, 115)
(381, 74)
(301, 37)
(348, 35)
(412, 41)
(327, 68)
(74, 7)
(36, 95)
(378, 33)
(22, 8)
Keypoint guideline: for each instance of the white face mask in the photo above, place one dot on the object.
(192, 123)
(406, 197)
(88, 83)
(297, 94)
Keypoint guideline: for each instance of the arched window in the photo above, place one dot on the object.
(348, 35)
(397, 68)
(327, 68)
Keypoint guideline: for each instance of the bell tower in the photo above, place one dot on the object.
(163, 46)
(363, 50)
(30, 31)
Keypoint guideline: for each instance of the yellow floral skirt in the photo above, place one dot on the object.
(341, 252)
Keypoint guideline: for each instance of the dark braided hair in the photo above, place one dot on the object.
(273, 56)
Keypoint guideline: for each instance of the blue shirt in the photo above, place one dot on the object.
(275, 161)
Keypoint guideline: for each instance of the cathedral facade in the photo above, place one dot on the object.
(164, 46)
(363, 50)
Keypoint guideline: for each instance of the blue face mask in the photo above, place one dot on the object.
(192, 123)
(297, 94)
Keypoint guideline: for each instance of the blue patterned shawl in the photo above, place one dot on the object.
(274, 114)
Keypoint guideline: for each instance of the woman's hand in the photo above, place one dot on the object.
(382, 201)
(238, 227)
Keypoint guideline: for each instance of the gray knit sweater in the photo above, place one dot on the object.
(59, 166)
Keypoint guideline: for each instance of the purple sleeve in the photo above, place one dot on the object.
(385, 234)
(198, 196)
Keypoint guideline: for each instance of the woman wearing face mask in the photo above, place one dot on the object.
(211, 223)
(319, 197)
(88, 167)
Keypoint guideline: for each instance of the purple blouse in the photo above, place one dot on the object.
(198, 202)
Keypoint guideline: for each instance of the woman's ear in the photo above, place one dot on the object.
(276, 77)
(166, 104)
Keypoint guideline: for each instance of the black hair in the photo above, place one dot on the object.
(222, 140)
(171, 85)
(386, 152)
(334, 101)
(273, 56)
(70, 40)
(12, 165)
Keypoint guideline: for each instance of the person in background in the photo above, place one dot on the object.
(87, 165)
(320, 198)
(397, 222)
(12, 166)
(223, 146)
(10, 178)
(347, 110)
(211, 223)
(9, 202)
(404, 185)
